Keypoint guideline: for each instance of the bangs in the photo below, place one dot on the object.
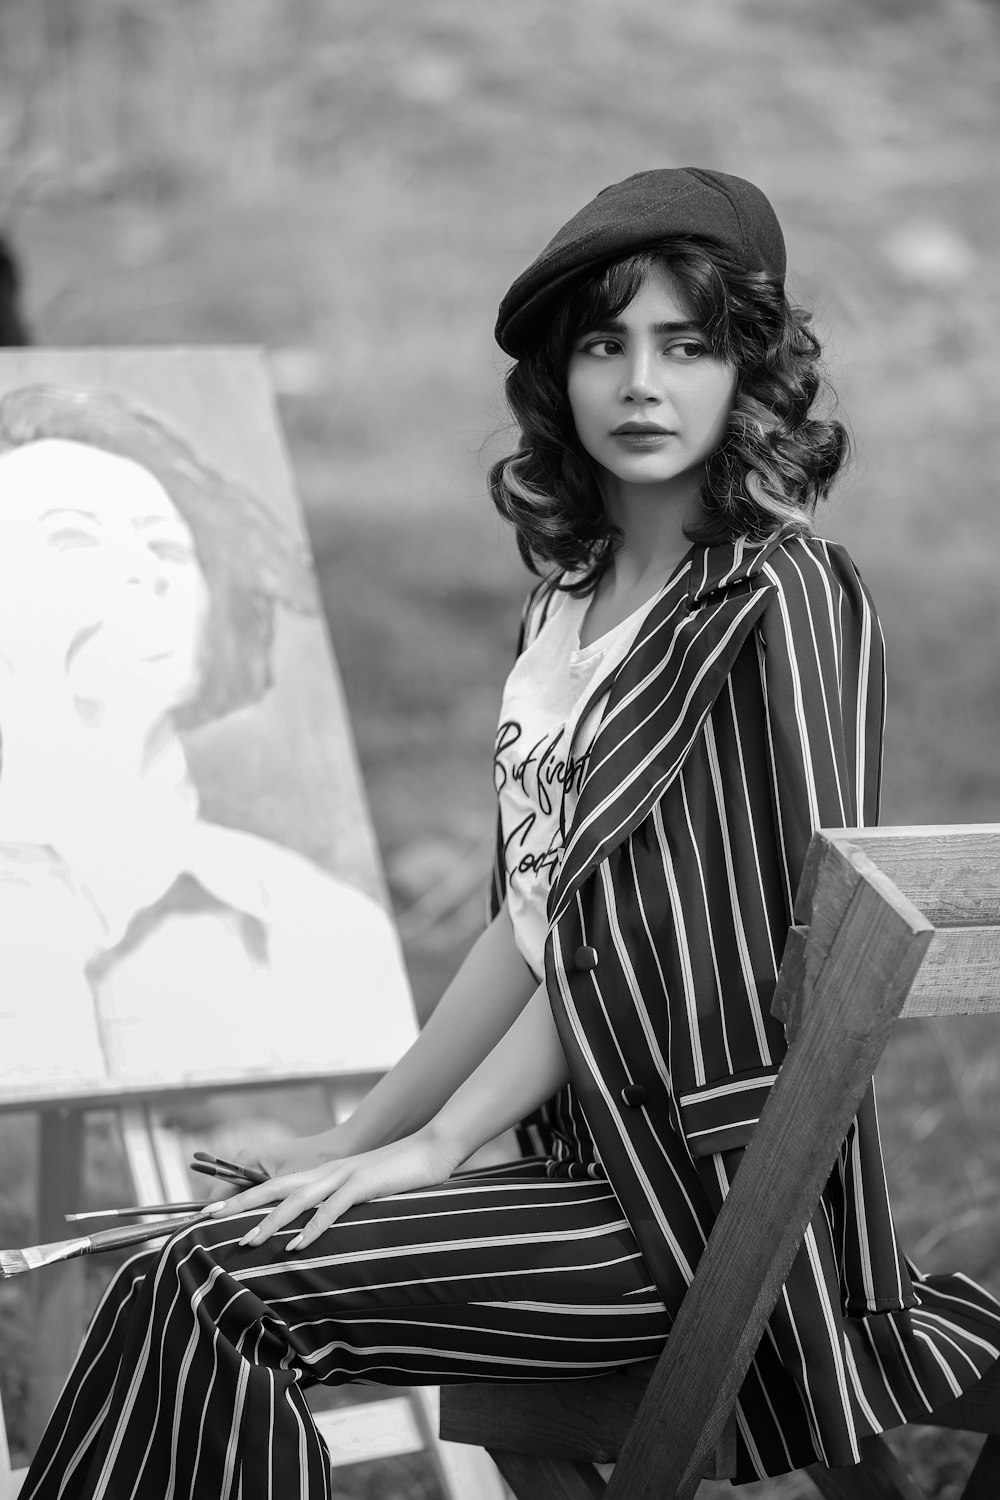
(701, 292)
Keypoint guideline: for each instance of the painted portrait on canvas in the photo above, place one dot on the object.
(139, 590)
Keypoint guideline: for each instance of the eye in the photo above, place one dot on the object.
(688, 349)
(68, 538)
(173, 552)
(602, 348)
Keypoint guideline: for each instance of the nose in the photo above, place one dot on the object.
(143, 569)
(640, 385)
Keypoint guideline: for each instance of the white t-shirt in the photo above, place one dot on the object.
(551, 708)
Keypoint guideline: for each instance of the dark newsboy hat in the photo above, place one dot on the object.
(651, 206)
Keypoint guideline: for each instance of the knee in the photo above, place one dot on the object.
(216, 1239)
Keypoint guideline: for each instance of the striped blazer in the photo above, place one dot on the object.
(748, 712)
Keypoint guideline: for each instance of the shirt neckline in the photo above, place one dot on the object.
(582, 653)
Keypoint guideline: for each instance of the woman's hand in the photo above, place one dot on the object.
(302, 1152)
(417, 1161)
(277, 1158)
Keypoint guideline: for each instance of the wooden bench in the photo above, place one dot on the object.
(889, 922)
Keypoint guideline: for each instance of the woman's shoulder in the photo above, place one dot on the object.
(818, 595)
(792, 557)
(815, 570)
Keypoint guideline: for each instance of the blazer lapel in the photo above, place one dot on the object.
(659, 700)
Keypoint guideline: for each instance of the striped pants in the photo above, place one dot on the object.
(190, 1379)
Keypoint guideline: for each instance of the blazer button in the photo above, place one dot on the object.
(633, 1094)
(585, 958)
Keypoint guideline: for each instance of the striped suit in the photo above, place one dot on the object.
(190, 1380)
(748, 711)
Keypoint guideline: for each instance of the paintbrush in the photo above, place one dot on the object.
(212, 1166)
(14, 1262)
(138, 1210)
(228, 1171)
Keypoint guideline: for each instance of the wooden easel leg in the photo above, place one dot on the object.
(156, 1159)
(58, 1290)
(464, 1472)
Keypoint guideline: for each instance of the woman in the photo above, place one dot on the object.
(699, 685)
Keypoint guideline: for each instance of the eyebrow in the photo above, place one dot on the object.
(615, 325)
(68, 510)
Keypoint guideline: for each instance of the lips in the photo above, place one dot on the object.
(641, 429)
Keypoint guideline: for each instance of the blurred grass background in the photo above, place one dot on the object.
(353, 184)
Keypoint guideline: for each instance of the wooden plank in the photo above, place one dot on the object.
(107, 1092)
(587, 1420)
(790, 990)
(960, 975)
(533, 1478)
(950, 871)
(156, 1157)
(872, 944)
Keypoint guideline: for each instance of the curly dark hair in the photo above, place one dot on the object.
(774, 463)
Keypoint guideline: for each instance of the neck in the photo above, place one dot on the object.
(651, 519)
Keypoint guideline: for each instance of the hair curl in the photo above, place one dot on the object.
(775, 462)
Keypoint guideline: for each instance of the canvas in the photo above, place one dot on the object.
(189, 890)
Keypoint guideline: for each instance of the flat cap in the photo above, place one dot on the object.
(649, 206)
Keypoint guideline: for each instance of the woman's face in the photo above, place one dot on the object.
(98, 576)
(649, 399)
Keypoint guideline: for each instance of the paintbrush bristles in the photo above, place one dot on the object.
(12, 1263)
(31, 1257)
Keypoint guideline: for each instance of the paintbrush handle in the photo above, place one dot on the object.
(121, 1236)
(33, 1257)
(218, 1166)
(138, 1210)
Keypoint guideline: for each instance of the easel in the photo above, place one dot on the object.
(281, 770)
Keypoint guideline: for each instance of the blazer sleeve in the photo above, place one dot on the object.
(823, 671)
(823, 674)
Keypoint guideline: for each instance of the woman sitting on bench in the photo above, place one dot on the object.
(699, 685)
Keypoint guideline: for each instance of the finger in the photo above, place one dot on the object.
(255, 1197)
(293, 1206)
(327, 1214)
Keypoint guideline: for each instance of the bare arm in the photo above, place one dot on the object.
(525, 1068)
